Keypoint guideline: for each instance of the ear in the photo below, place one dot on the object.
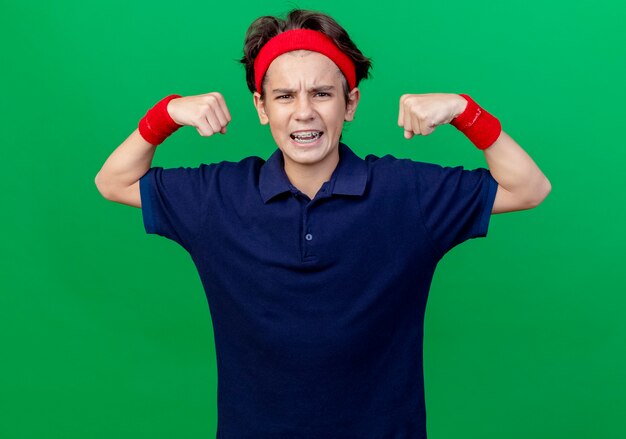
(353, 101)
(260, 108)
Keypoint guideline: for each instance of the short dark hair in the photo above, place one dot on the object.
(266, 27)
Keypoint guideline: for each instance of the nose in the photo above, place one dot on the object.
(304, 109)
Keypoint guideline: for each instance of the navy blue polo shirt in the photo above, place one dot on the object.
(318, 305)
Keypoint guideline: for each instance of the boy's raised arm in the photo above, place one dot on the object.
(118, 179)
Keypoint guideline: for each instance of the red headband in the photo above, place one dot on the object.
(302, 39)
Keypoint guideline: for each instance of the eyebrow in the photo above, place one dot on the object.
(313, 89)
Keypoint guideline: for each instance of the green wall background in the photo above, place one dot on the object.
(105, 331)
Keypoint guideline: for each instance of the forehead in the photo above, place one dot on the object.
(294, 66)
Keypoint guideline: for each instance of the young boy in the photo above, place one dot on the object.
(317, 263)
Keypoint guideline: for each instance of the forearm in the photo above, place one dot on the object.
(515, 170)
(126, 165)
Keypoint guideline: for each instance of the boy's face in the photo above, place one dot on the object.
(304, 93)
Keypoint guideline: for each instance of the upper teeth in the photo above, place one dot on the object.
(303, 134)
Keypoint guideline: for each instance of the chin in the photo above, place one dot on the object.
(309, 159)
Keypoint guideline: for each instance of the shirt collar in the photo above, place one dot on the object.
(348, 178)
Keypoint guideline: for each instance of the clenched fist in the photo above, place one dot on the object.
(208, 113)
(421, 113)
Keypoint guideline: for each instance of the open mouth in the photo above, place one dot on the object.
(305, 137)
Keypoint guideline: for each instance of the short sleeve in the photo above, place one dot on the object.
(455, 203)
(173, 202)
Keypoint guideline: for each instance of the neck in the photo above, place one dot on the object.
(310, 178)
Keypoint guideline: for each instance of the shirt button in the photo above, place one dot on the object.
(308, 237)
